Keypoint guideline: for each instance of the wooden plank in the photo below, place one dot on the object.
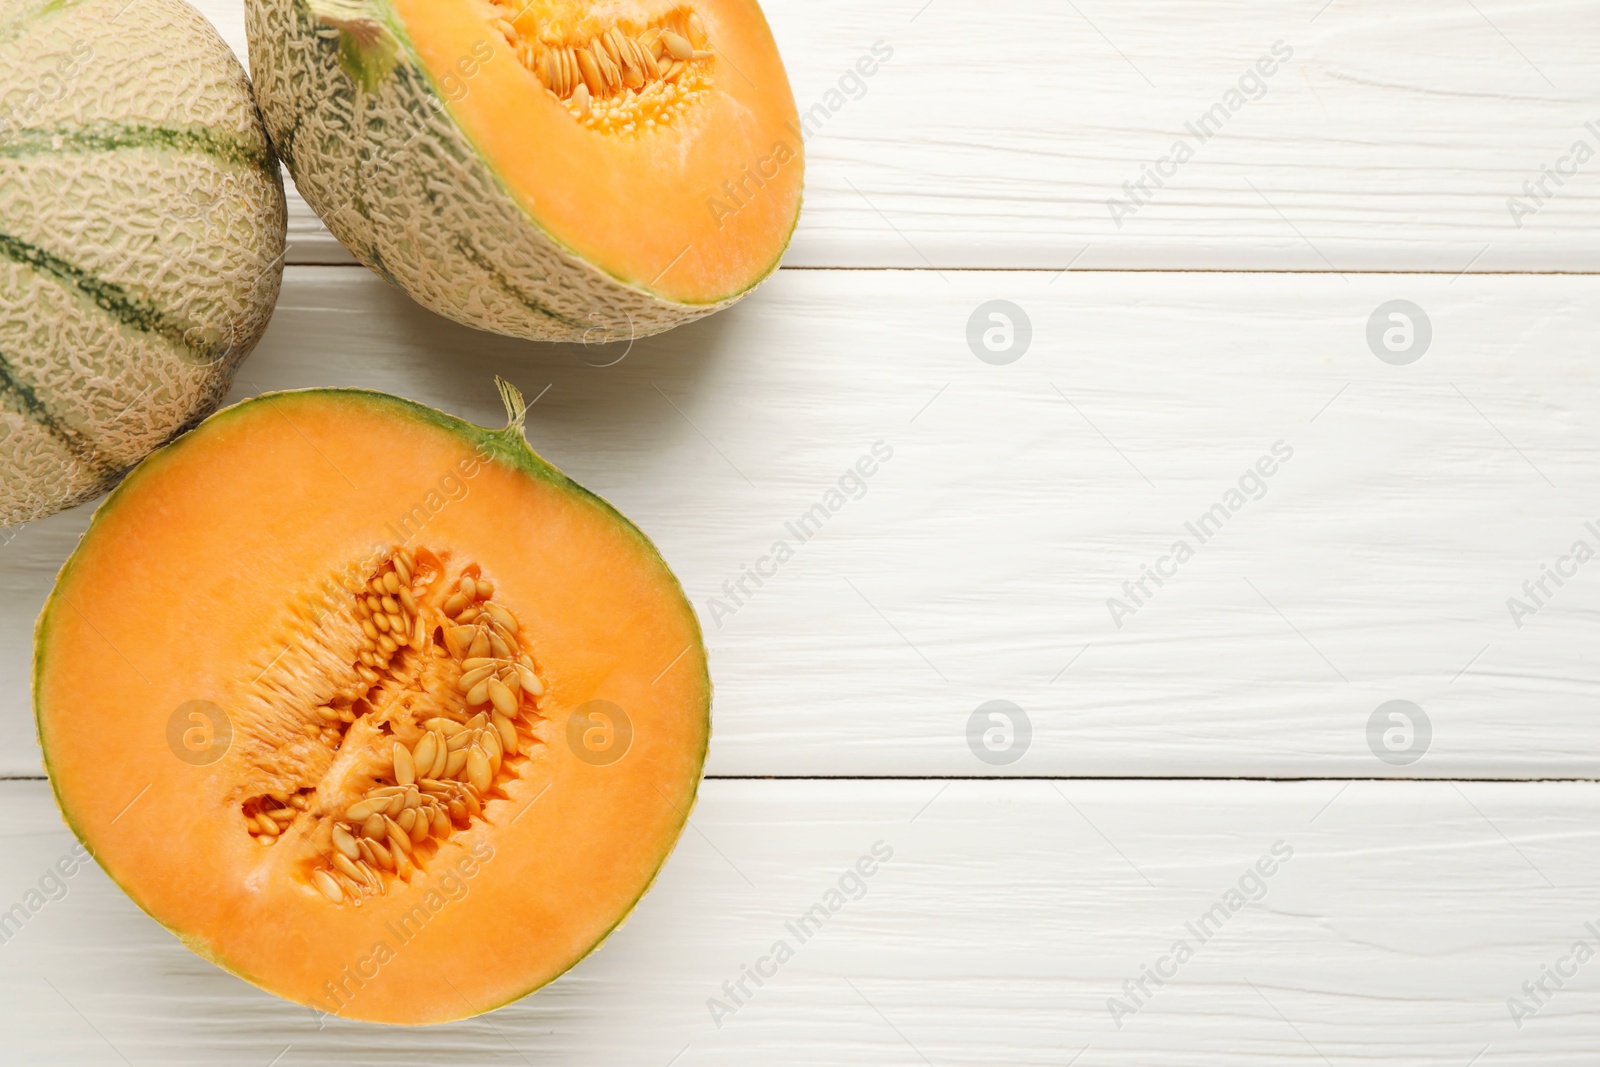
(979, 562)
(1008, 914)
(995, 136)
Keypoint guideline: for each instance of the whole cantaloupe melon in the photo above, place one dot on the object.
(142, 228)
(549, 169)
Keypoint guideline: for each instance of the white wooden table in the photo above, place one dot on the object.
(1424, 886)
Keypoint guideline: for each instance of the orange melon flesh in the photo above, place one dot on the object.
(696, 210)
(186, 588)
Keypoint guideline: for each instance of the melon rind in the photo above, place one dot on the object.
(142, 228)
(375, 151)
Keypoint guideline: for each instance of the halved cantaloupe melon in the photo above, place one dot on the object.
(370, 706)
(551, 169)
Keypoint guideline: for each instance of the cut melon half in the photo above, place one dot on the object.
(556, 170)
(370, 706)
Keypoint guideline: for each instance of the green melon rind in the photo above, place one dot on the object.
(113, 299)
(114, 136)
(507, 446)
(142, 229)
(374, 149)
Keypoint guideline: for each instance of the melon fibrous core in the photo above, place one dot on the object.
(387, 715)
(558, 170)
(142, 229)
(612, 79)
(420, 691)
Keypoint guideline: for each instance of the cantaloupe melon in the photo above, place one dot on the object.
(141, 238)
(370, 706)
(555, 169)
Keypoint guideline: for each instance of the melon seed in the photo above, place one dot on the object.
(384, 859)
(508, 733)
(458, 637)
(402, 864)
(405, 771)
(399, 840)
(423, 755)
(504, 702)
(347, 866)
(369, 876)
(344, 842)
(680, 48)
(327, 885)
(471, 678)
(360, 811)
(478, 772)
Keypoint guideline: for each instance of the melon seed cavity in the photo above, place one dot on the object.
(440, 714)
(622, 78)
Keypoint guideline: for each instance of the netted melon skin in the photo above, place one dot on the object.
(395, 179)
(142, 227)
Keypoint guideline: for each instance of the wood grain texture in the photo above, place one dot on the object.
(1009, 913)
(996, 134)
(977, 562)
